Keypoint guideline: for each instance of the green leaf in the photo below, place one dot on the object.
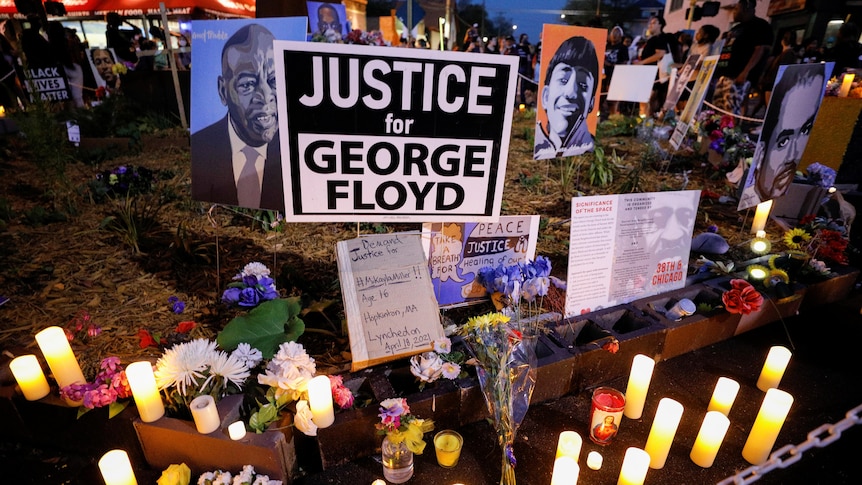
(82, 410)
(260, 420)
(116, 408)
(266, 327)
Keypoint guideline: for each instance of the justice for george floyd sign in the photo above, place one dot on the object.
(371, 134)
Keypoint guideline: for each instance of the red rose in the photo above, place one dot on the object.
(741, 298)
(147, 340)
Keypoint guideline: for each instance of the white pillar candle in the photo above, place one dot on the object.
(569, 444)
(142, 382)
(663, 429)
(773, 368)
(709, 438)
(55, 347)
(320, 401)
(566, 471)
(760, 216)
(764, 432)
(594, 460)
(205, 414)
(846, 84)
(723, 396)
(116, 468)
(636, 391)
(30, 377)
(378, 482)
(635, 466)
(236, 430)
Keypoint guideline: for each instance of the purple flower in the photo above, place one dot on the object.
(713, 229)
(177, 306)
(231, 296)
(248, 297)
(121, 170)
(542, 266)
(249, 280)
(486, 277)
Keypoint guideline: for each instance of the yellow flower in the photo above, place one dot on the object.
(175, 475)
(777, 276)
(119, 68)
(796, 238)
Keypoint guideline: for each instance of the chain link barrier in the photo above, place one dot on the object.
(785, 456)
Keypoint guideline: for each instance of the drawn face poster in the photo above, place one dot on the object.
(324, 16)
(628, 246)
(458, 251)
(412, 135)
(567, 114)
(795, 101)
(236, 158)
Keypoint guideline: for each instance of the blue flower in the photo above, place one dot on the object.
(542, 265)
(231, 296)
(177, 306)
(248, 297)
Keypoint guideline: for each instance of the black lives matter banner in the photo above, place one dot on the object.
(377, 133)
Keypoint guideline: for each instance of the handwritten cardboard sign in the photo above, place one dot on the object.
(388, 298)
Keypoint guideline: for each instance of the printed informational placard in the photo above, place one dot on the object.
(790, 115)
(628, 246)
(695, 99)
(457, 251)
(388, 298)
(374, 134)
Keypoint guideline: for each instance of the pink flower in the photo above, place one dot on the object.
(342, 395)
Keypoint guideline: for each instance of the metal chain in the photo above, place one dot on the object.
(785, 456)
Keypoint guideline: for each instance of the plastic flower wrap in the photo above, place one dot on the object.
(741, 297)
(505, 362)
(191, 369)
(250, 287)
(399, 425)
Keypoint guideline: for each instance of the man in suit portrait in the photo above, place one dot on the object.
(237, 159)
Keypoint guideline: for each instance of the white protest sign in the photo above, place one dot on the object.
(371, 134)
(388, 298)
(632, 83)
(628, 246)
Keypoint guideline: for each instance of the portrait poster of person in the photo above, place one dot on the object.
(323, 16)
(102, 61)
(606, 430)
(236, 156)
(795, 101)
(567, 110)
(683, 75)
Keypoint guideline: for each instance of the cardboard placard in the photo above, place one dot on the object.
(457, 251)
(388, 298)
(632, 83)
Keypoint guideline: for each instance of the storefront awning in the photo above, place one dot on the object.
(82, 8)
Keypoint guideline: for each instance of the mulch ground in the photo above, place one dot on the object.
(57, 264)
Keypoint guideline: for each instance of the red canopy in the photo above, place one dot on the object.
(80, 8)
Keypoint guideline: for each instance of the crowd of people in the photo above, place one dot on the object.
(39, 44)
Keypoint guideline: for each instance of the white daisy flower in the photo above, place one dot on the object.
(183, 364)
(443, 345)
(451, 370)
(254, 269)
(244, 477)
(205, 478)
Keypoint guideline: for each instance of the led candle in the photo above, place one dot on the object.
(635, 466)
(770, 418)
(142, 382)
(569, 444)
(205, 414)
(30, 377)
(760, 216)
(566, 471)
(594, 460)
(636, 391)
(846, 84)
(55, 347)
(116, 468)
(663, 430)
(773, 368)
(378, 482)
(723, 396)
(320, 401)
(709, 438)
(236, 430)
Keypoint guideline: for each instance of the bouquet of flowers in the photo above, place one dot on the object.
(506, 366)
(191, 369)
(440, 362)
(107, 388)
(288, 375)
(398, 425)
(528, 281)
(819, 238)
(724, 137)
(250, 287)
(741, 297)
